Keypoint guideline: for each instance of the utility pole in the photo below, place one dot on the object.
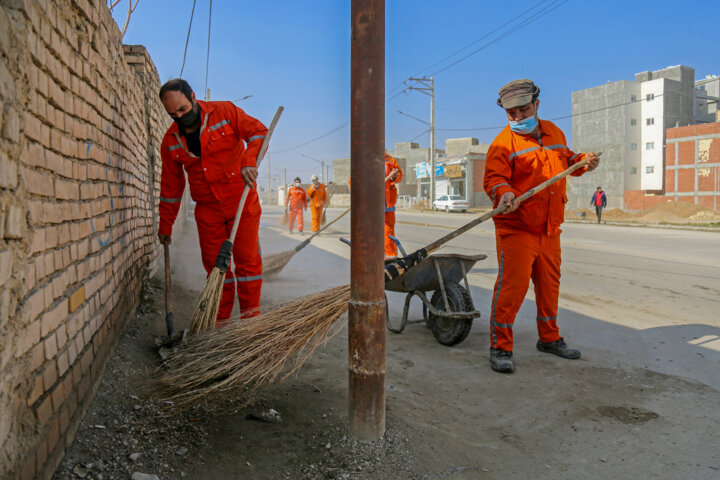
(322, 165)
(285, 180)
(426, 85)
(269, 191)
(207, 94)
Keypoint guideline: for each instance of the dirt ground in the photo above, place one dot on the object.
(448, 414)
(681, 213)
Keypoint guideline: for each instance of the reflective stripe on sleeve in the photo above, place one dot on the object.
(170, 200)
(575, 156)
(555, 147)
(174, 147)
(522, 152)
(256, 137)
(219, 124)
(493, 190)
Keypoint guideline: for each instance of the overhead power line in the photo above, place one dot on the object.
(340, 127)
(187, 39)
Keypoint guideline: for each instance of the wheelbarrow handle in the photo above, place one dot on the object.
(346, 241)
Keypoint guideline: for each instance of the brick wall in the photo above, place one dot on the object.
(80, 129)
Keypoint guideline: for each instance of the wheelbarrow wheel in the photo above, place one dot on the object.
(449, 331)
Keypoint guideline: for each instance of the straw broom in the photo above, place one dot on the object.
(208, 303)
(323, 219)
(272, 264)
(284, 218)
(247, 356)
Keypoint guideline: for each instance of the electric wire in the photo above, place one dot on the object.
(207, 57)
(187, 39)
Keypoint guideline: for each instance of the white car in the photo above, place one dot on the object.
(451, 203)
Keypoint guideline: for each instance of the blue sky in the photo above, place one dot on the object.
(297, 54)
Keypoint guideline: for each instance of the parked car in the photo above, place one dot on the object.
(451, 203)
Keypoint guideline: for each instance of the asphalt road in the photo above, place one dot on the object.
(630, 296)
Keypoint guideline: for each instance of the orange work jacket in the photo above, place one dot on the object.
(391, 192)
(516, 163)
(318, 195)
(230, 139)
(296, 198)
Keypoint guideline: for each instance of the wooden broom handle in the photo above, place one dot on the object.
(440, 242)
(168, 306)
(260, 156)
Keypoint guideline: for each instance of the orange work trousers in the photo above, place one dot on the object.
(295, 213)
(390, 246)
(316, 216)
(523, 256)
(214, 223)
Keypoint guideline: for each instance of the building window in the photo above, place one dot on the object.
(650, 96)
(650, 121)
(649, 169)
(633, 98)
(633, 146)
(650, 146)
(633, 121)
(633, 170)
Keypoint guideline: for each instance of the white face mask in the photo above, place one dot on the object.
(297, 184)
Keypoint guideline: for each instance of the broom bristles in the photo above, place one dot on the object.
(208, 303)
(272, 264)
(249, 354)
(284, 219)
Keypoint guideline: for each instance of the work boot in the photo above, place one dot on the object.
(559, 348)
(501, 361)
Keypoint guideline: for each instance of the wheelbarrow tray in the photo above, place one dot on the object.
(423, 276)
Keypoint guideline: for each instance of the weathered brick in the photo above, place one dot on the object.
(33, 305)
(11, 125)
(38, 182)
(52, 318)
(5, 266)
(37, 389)
(49, 376)
(8, 172)
(14, 222)
(66, 190)
(50, 345)
(37, 357)
(58, 396)
(29, 337)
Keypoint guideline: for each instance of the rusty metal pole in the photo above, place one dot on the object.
(366, 326)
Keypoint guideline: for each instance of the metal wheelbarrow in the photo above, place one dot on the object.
(450, 311)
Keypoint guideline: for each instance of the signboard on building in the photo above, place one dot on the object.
(453, 171)
(422, 170)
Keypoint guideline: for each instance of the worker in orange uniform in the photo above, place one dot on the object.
(217, 144)
(393, 173)
(527, 152)
(296, 201)
(318, 201)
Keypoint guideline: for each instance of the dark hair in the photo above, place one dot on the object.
(599, 188)
(177, 85)
(297, 178)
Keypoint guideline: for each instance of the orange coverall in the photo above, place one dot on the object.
(318, 199)
(216, 186)
(297, 202)
(391, 195)
(528, 239)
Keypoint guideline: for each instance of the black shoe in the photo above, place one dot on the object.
(559, 348)
(501, 361)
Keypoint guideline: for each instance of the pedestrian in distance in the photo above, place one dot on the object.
(318, 201)
(217, 144)
(527, 152)
(295, 202)
(393, 173)
(599, 201)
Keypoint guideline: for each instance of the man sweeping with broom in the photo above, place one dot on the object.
(318, 201)
(527, 152)
(217, 144)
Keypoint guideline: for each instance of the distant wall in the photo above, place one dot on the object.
(80, 130)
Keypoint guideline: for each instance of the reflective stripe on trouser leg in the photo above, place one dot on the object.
(316, 216)
(546, 279)
(390, 246)
(516, 253)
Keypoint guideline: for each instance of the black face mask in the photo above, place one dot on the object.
(190, 119)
